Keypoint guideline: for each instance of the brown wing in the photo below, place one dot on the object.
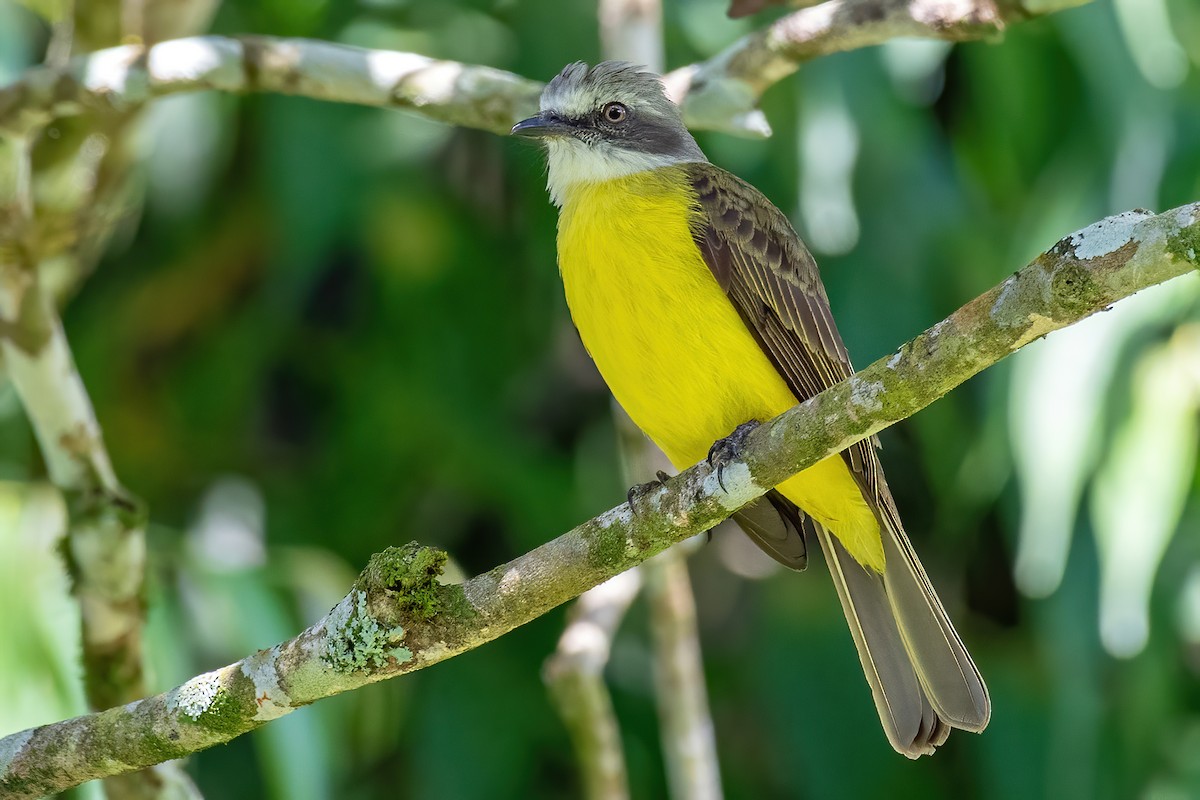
(922, 678)
(772, 280)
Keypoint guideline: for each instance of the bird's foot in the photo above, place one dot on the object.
(725, 451)
(639, 491)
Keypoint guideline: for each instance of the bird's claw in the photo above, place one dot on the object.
(726, 451)
(640, 490)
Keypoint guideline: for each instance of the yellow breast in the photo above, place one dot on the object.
(668, 341)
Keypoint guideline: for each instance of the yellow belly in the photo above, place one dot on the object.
(671, 346)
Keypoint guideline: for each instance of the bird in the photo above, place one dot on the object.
(705, 314)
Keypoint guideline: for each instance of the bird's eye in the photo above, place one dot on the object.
(614, 112)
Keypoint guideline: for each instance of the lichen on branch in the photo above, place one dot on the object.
(1083, 273)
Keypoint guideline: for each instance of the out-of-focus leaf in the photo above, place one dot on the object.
(1146, 26)
(828, 153)
(1059, 393)
(17, 36)
(39, 620)
(50, 10)
(1143, 484)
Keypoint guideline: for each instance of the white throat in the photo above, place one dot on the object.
(572, 163)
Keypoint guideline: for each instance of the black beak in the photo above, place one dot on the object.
(543, 125)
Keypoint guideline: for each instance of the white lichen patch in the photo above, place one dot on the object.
(215, 61)
(108, 73)
(1108, 235)
(355, 641)
(740, 487)
(894, 360)
(11, 747)
(510, 582)
(262, 670)
(197, 695)
(387, 68)
(621, 515)
(865, 395)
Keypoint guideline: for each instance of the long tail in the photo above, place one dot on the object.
(923, 680)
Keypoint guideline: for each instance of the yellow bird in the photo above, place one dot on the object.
(704, 311)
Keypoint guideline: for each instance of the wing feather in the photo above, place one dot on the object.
(921, 675)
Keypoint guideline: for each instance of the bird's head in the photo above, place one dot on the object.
(605, 122)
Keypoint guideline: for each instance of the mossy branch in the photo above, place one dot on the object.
(397, 618)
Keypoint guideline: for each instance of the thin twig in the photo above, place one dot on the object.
(396, 619)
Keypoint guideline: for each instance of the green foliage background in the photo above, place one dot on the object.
(327, 329)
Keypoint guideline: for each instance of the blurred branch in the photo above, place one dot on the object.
(688, 737)
(397, 618)
(689, 740)
(632, 30)
(575, 677)
(105, 541)
(122, 78)
(721, 93)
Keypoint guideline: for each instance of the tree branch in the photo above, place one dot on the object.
(689, 740)
(398, 619)
(575, 676)
(125, 77)
(105, 540)
(721, 93)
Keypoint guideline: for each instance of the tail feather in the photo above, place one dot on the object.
(922, 679)
(943, 665)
